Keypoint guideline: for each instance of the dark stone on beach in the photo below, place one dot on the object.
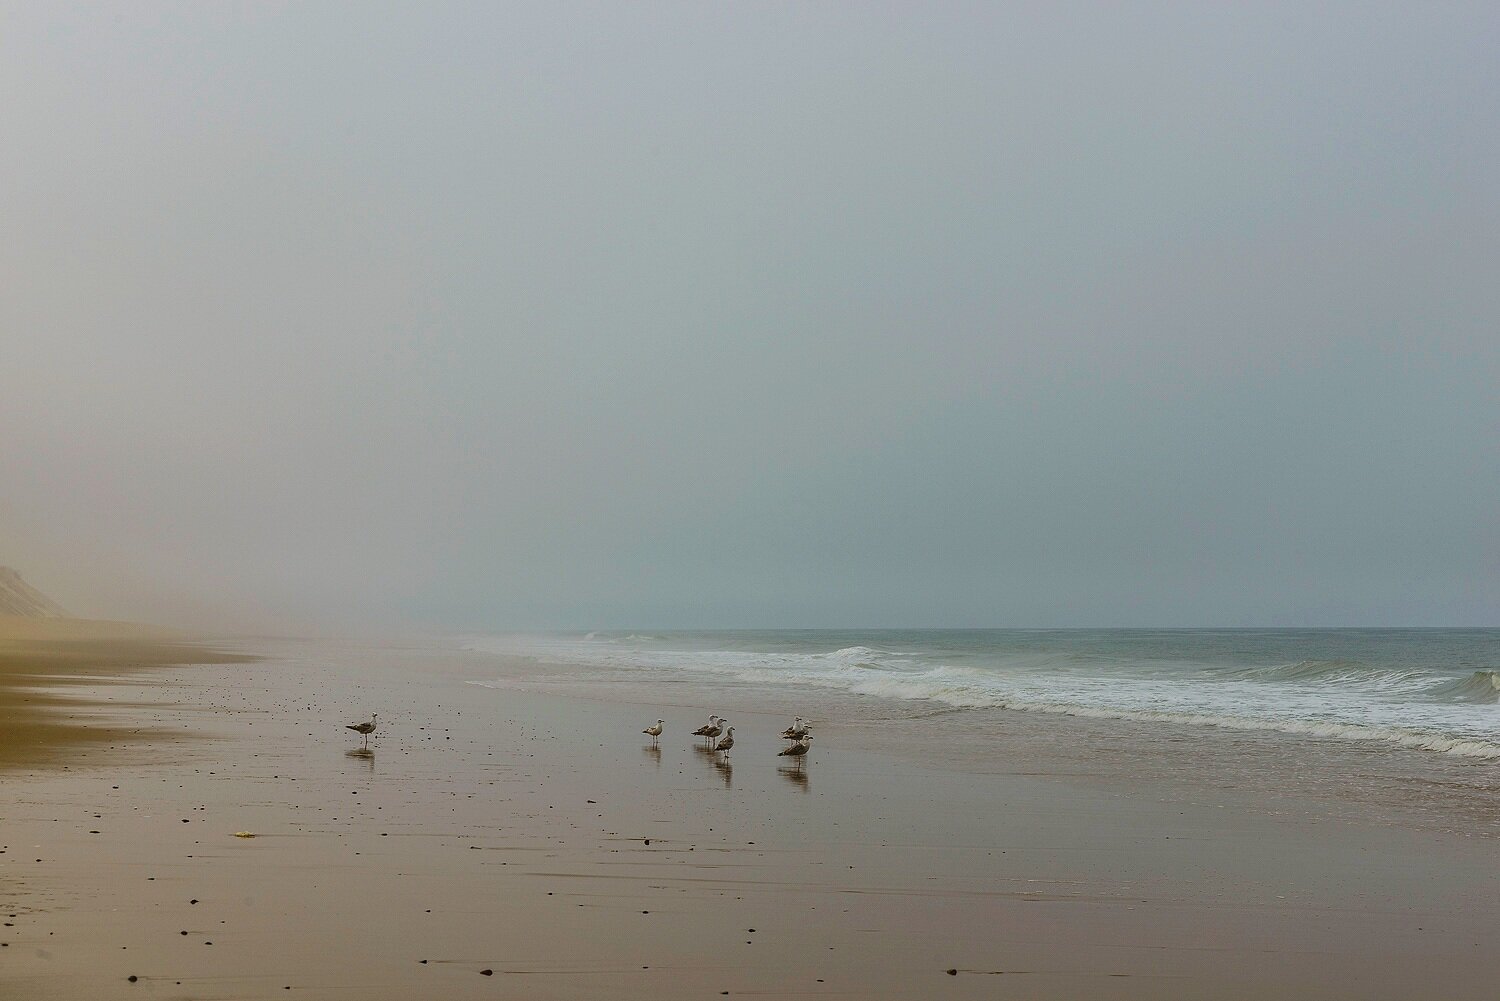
(486, 973)
(951, 973)
(132, 978)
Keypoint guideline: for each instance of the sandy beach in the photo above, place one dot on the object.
(56, 681)
(1082, 415)
(514, 843)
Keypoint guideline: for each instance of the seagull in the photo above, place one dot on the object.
(654, 731)
(797, 750)
(797, 730)
(364, 729)
(713, 729)
(726, 742)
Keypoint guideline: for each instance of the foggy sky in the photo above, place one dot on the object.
(676, 315)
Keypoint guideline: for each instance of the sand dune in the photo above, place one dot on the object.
(19, 598)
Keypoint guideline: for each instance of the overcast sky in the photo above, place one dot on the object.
(676, 315)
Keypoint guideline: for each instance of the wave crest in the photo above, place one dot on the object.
(1482, 687)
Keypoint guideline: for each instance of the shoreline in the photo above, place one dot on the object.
(538, 836)
(1299, 682)
(1318, 776)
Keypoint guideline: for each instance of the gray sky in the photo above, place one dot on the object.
(753, 314)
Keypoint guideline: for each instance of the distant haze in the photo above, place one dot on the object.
(662, 315)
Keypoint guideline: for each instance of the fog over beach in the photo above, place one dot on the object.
(675, 501)
(808, 316)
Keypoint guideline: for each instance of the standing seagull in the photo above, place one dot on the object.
(364, 729)
(710, 729)
(654, 731)
(726, 742)
(797, 750)
(796, 731)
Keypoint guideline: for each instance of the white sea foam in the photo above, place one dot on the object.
(1333, 698)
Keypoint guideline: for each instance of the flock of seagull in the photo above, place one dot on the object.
(798, 733)
(717, 732)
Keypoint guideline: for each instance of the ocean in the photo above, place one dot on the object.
(1431, 690)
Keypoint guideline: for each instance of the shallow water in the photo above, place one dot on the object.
(1428, 689)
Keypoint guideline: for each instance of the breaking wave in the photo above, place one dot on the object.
(1332, 697)
(1482, 687)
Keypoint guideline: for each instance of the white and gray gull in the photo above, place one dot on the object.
(798, 750)
(364, 729)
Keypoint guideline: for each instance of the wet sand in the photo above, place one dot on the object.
(505, 843)
(57, 673)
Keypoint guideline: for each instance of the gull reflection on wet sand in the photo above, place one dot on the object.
(797, 776)
(362, 754)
